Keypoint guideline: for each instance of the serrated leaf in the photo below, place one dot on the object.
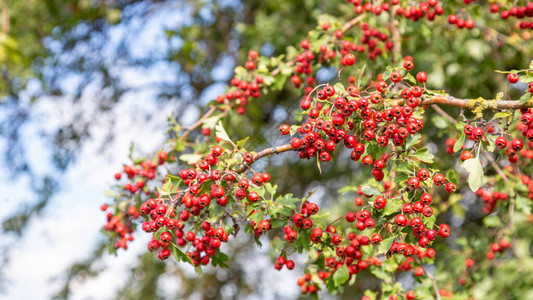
(370, 190)
(385, 245)
(527, 78)
(211, 121)
(475, 173)
(339, 88)
(221, 133)
(423, 155)
(526, 98)
(288, 200)
(241, 143)
(491, 142)
(452, 176)
(180, 255)
(413, 140)
(341, 275)
(392, 207)
(401, 177)
(429, 222)
(409, 78)
(460, 142)
(279, 82)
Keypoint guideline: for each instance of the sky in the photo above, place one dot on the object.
(68, 229)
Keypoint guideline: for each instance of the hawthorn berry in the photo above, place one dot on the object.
(421, 77)
(501, 142)
(444, 230)
(512, 78)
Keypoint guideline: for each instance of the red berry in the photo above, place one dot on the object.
(422, 77)
(501, 142)
(512, 78)
(444, 230)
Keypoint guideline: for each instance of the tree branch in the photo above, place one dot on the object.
(352, 23)
(265, 152)
(472, 103)
(198, 123)
(435, 287)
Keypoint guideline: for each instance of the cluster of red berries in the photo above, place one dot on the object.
(496, 248)
(347, 251)
(145, 171)
(490, 200)
(461, 23)
(374, 41)
(529, 183)
(328, 124)
(519, 12)
(121, 226)
(431, 9)
(242, 91)
(138, 175)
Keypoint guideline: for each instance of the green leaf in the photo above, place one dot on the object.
(241, 143)
(211, 121)
(492, 221)
(410, 78)
(288, 200)
(423, 155)
(460, 142)
(491, 142)
(401, 177)
(180, 255)
(221, 133)
(392, 206)
(475, 170)
(526, 98)
(359, 75)
(341, 275)
(339, 88)
(413, 140)
(279, 82)
(385, 245)
(453, 176)
(370, 190)
(502, 114)
(429, 222)
(523, 204)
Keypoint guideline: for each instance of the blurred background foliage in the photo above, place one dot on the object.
(78, 52)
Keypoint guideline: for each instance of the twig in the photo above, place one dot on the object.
(198, 123)
(495, 166)
(352, 23)
(265, 152)
(435, 287)
(443, 113)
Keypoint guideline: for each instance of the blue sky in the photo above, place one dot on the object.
(69, 228)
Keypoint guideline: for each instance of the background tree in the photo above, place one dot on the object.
(472, 54)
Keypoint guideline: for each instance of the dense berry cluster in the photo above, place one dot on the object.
(243, 89)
